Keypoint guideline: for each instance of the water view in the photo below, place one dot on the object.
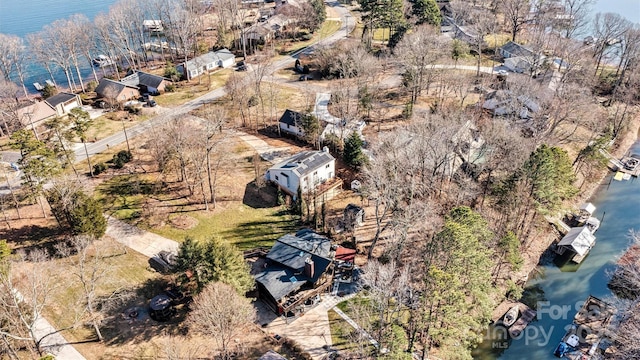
(566, 287)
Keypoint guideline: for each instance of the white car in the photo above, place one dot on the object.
(502, 72)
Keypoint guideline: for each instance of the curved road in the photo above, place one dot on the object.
(119, 138)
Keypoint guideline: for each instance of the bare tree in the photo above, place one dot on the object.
(220, 312)
(516, 14)
(13, 59)
(608, 28)
(25, 292)
(418, 52)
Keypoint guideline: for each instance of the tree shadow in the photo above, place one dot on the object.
(254, 234)
(128, 321)
(259, 197)
(31, 237)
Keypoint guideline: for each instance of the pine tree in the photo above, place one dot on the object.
(353, 154)
(458, 263)
(211, 261)
(427, 12)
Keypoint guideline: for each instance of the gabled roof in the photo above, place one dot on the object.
(288, 256)
(305, 162)
(35, 112)
(579, 239)
(225, 54)
(291, 117)
(142, 78)
(60, 98)
(108, 85)
(516, 49)
(197, 62)
(291, 252)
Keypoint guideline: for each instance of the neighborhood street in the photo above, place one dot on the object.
(119, 137)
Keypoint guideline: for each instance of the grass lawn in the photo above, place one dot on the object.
(381, 34)
(125, 271)
(110, 124)
(193, 89)
(328, 28)
(241, 225)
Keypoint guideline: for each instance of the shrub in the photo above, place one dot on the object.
(132, 109)
(121, 158)
(170, 88)
(99, 168)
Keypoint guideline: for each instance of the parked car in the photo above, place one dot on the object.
(151, 103)
(305, 78)
(242, 67)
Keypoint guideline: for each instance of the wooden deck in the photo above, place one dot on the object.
(590, 325)
(527, 315)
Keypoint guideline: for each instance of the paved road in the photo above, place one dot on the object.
(134, 131)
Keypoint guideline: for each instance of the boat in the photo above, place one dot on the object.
(50, 83)
(511, 316)
(38, 86)
(102, 61)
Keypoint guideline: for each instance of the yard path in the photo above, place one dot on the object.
(142, 241)
(267, 152)
(53, 342)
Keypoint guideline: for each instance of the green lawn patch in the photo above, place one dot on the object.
(328, 28)
(242, 225)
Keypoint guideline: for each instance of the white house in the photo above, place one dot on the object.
(306, 170)
(207, 62)
(290, 123)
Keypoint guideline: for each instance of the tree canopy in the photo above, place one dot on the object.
(213, 260)
(427, 12)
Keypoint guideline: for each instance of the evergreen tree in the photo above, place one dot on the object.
(311, 128)
(427, 12)
(80, 124)
(457, 304)
(549, 176)
(353, 154)
(87, 217)
(76, 211)
(211, 261)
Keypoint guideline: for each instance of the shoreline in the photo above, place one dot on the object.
(618, 149)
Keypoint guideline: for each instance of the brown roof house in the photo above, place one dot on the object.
(114, 91)
(38, 112)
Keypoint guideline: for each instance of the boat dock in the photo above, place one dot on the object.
(525, 316)
(585, 340)
(629, 164)
(38, 86)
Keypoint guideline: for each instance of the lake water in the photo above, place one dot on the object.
(28, 16)
(568, 286)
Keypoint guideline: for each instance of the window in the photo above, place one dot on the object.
(326, 167)
(277, 177)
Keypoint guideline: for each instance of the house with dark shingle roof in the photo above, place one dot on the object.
(307, 170)
(116, 91)
(63, 102)
(147, 83)
(513, 49)
(296, 263)
(290, 123)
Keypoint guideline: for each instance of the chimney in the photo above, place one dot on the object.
(309, 268)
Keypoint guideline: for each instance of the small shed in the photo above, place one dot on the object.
(161, 308)
(353, 216)
(578, 240)
(587, 209)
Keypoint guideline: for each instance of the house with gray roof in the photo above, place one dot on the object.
(290, 123)
(63, 102)
(513, 49)
(204, 63)
(306, 170)
(296, 263)
(149, 83)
